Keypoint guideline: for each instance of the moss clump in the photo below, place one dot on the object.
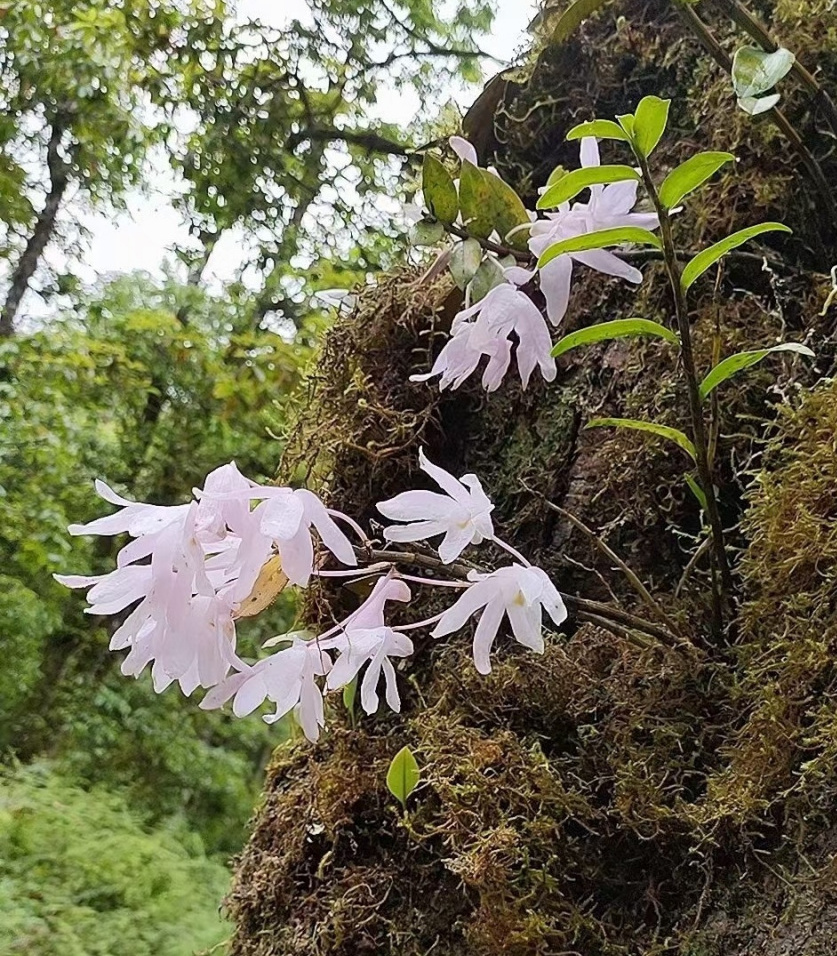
(602, 799)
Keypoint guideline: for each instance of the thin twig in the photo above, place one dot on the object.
(632, 636)
(704, 547)
(488, 245)
(611, 555)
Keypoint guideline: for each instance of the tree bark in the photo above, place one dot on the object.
(42, 233)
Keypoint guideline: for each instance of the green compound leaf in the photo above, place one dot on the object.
(572, 183)
(573, 17)
(689, 175)
(620, 328)
(403, 775)
(703, 260)
(742, 360)
(601, 129)
(600, 240)
(650, 123)
(662, 431)
(439, 190)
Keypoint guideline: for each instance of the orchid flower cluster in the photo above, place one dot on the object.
(192, 571)
(485, 328)
(189, 570)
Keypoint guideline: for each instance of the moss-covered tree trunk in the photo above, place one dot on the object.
(607, 797)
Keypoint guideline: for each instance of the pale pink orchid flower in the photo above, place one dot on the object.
(364, 638)
(285, 517)
(484, 329)
(287, 679)
(179, 625)
(608, 207)
(462, 514)
(136, 518)
(373, 647)
(519, 593)
(462, 354)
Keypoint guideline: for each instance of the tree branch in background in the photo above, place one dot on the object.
(367, 139)
(43, 231)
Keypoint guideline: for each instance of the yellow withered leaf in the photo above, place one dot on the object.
(270, 583)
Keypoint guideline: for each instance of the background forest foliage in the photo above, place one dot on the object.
(119, 809)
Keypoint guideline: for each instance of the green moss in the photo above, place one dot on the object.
(601, 799)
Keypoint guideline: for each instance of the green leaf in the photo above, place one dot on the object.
(601, 129)
(620, 328)
(756, 105)
(689, 175)
(465, 259)
(428, 232)
(600, 240)
(650, 123)
(487, 203)
(703, 260)
(663, 431)
(474, 194)
(487, 277)
(558, 173)
(755, 71)
(439, 190)
(573, 17)
(572, 183)
(628, 123)
(696, 490)
(743, 360)
(403, 775)
(349, 695)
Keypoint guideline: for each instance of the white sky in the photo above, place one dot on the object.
(144, 235)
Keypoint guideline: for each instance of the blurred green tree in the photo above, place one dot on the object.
(146, 891)
(73, 406)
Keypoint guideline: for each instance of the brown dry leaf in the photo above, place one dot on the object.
(270, 583)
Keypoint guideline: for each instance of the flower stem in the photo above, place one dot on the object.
(433, 582)
(512, 551)
(351, 523)
(488, 245)
(721, 591)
